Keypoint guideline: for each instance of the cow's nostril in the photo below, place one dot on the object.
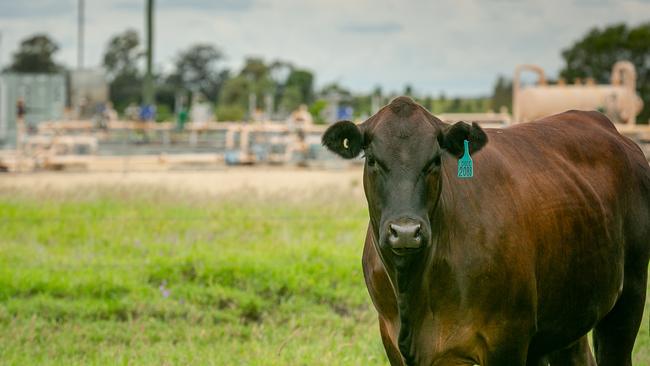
(417, 232)
(392, 231)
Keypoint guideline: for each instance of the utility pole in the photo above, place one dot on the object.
(148, 90)
(1, 51)
(2, 102)
(80, 36)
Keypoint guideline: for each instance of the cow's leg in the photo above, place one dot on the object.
(390, 344)
(615, 334)
(578, 354)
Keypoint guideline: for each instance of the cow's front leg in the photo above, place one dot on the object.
(390, 343)
(578, 354)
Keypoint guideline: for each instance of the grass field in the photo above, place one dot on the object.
(110, 276)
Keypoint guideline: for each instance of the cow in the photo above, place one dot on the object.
(548, 240)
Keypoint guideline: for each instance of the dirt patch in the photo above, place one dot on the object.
(264, 181)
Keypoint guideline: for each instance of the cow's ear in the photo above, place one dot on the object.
(344, 138)
(452, 138)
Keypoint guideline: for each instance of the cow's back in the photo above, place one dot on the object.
(581, 153)
(557, 205)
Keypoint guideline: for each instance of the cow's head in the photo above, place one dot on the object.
(403, 145)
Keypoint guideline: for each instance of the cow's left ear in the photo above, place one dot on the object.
(452, 138)
(344, 138)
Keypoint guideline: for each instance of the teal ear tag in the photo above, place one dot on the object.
(465, 164)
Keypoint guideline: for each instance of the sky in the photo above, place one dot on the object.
(453, 46)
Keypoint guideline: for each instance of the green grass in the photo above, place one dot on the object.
(104, 276)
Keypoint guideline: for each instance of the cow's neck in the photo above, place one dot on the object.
(409, 274)
(418, 279)
(410, 280)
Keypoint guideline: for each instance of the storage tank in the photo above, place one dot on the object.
(618, 100)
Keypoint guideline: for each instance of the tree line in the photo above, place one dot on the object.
(198, 72)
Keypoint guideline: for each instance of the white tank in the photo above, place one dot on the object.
(617, 100)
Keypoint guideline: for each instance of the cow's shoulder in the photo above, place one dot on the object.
(578, 118)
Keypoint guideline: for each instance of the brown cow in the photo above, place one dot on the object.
(549, 240)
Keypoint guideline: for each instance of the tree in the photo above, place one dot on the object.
(428, 102)
(122, 54)
(254, 78)
(196, 70)
(291, 99)
(279, 71)
(255, 70)
(121, 64)
(408, 90)
(35, 55)
(233, 99)
(316, 109)
(595, 54)
(290, 86)
(335, 88)
(361, 104)
(235, 92)
(303, 82)
(455, 106)
(258, 76)
(502, 94)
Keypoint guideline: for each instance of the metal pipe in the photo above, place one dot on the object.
(80, 36)
(516, 86)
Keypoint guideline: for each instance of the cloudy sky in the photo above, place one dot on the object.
(455, 46)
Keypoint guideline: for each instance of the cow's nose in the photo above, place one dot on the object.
(405, 234)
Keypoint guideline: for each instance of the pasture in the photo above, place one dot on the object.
(150, 274)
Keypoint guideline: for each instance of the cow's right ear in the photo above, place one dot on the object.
(344, 138)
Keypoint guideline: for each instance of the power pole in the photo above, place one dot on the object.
(148, 90)
(1, 51)
(80, 36)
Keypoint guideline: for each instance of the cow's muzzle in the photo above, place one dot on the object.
(405, 236)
